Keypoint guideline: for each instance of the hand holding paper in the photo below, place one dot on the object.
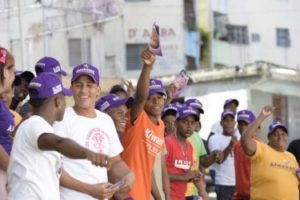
(154, 44)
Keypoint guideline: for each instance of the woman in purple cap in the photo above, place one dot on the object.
(7, 75)
(273, 170)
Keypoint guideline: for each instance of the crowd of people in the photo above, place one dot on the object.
(132, 143)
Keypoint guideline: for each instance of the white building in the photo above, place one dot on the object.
(251, 30)
(109, 34)
(72, 31)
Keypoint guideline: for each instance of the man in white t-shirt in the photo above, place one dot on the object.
(94, 130)
(229, 104)
(35, 163)
(225, 173)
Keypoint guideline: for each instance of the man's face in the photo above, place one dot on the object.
(186, 126)
(119, 116)
(21, 91)
(85, 92)
(169, 121)
(242, 125)
(154, 105)
(228, 123)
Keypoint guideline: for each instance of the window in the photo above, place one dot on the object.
(133, 58)
(255, 37)
(237, 34)
(283, 37)
(79, 51)
(220, 21)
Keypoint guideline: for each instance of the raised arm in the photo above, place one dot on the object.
(142, 88)
(69, 148)
(247, 141)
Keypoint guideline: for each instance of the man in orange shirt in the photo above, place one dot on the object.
(241, 160)
(143, 138)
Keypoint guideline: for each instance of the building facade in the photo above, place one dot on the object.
(71, 31)
(252, 30)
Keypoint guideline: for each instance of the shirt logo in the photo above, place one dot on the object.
(182, 164)
(98, 140)
(153, 142)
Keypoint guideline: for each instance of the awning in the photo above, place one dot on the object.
(280, 87)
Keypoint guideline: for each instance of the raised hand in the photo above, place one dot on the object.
(130, 88)
(267, 111)
(148, 57)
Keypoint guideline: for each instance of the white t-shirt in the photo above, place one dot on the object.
(33, 173)
(225, 173)
(97, 134)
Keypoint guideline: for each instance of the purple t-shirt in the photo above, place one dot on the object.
(7, 125)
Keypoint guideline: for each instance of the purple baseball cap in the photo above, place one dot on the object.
(178, 105)
(112, 100)
(156, 86)
(46, 85)
(246, 116)
(228, 101)
(48, 64)
(275, 125)
(86, 69)
(185, 111)
(169, 109)
(195, 103)
(227, 112)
